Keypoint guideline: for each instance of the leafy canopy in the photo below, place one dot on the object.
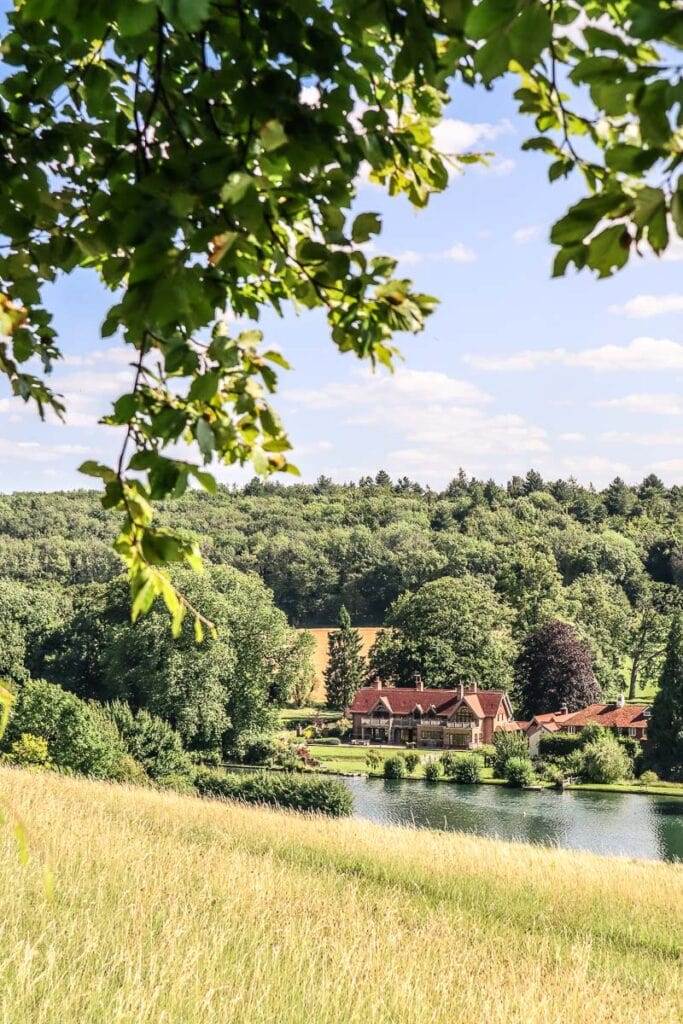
(202, 157)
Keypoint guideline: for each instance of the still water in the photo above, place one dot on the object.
(611, 823)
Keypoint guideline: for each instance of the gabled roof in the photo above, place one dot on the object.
(611, 716)
(404, 700)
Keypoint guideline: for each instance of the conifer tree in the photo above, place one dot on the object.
(665, 732)
(346, 665)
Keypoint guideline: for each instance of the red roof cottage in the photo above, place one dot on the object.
(453, 719)
(623, 719)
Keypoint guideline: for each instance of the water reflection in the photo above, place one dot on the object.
(610, 823)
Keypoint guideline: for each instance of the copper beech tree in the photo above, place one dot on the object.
(202, 158)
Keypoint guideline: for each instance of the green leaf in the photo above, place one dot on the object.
(272, 135)
(609, 250)
(487, 16)
(205, 438)
(96, 469)
(365, 225)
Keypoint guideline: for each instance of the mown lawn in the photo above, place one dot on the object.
(352, 759)
(177, 910)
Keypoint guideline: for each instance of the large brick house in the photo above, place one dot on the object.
(623, 719)
(456, 719)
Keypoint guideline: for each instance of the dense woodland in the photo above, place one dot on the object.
(611, 562)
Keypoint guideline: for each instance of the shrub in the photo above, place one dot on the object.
(412, 760)
(519, 771)
(649, 778)
(255, 748)
(394, 767)
(299, 793)
(373, 760)
(559, 744)
(508, 745)
(433, 771)
(152, 742)
(606, 761)
(330, 741)
(467, 769)
(80, 736)
(448, 763)
(30, 751)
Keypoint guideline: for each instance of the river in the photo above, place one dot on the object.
(609, 823)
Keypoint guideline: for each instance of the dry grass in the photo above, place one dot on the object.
(320, 634)
(170, 909)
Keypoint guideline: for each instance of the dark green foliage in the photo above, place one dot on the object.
(519, 772)
(507, 745)
(394, 767)
(433, 771)
(80, 736)
(210, 693)
(665, 729)
(345, 669)
(559, 744)
(451, 630)
(151, 742)
(297, 792)
(412, 760)
(253, 748)
(467, 769)
(554, 669)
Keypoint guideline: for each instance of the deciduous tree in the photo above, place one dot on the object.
(554, 668)
(203, 158)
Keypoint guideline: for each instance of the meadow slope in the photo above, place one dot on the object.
(172, 909)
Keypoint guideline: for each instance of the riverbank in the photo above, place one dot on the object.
(174, 908)
(348, 760)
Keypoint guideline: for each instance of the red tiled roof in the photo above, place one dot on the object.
(512, 726)
(403, 700)
(611, 716)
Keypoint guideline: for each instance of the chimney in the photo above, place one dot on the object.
(564, 710)
(419, 682)
(474, 686)
(620, 700)
(378, 683)
(461, 691)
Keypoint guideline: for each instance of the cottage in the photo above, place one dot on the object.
(457, 719)
(623, 719)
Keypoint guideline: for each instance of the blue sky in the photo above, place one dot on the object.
(571, 376)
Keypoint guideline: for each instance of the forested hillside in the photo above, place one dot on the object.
(611, 562)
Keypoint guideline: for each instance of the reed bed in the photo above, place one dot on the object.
(177, 910)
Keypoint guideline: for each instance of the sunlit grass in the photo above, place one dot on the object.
(170, 909)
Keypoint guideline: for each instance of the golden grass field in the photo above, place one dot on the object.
(320, 634)
(172, 910)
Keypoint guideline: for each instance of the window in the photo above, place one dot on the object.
(632, 732)
(571, 729)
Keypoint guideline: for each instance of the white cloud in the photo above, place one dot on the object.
(381, 389)
(649, 305)
(527, 234)
(651, 404)
(640, 354)
(452, 136)
(653, 439)
(571, 436)
(457, 253)
(596, 468)
(35, 451)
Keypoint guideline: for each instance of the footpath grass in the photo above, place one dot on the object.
(177, 910)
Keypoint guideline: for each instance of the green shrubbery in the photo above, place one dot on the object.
(467, 769)
(412, 760)
(508, 745)
(519, 771)
(559, 744)
(606, 761)
(297, 792)
(80, 737)
(29, 751)
(433, 771)
(152, 743)
(394, 767)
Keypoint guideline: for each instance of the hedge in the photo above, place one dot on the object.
(296, 792)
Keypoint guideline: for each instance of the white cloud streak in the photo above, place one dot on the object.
(642, 353)
(642, 306)
(645, 402)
